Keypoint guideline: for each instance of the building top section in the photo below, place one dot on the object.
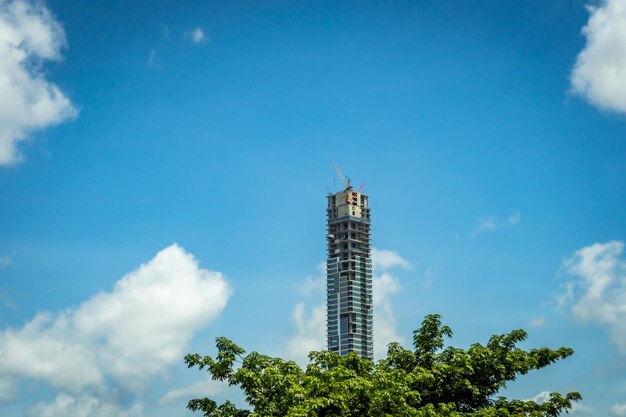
(348, 203)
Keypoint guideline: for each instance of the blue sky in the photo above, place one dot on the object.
(198, 139)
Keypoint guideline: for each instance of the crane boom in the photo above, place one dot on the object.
(345, 183)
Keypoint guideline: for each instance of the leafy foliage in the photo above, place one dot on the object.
(428, 381)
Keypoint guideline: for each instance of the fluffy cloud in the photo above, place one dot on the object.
(197, 35)
(540, 398)
(311, 285)
(383, 260)
(578, 409)
(82, 406)
(29, 35)
(311, 331)
(122, 337)
(385, 284)
(199, 389)
(311, 323)
(599, 73)
(491, 223)
(598, 294)
(618, 410)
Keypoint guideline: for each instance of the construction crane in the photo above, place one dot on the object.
(360, 188)
(345, 183)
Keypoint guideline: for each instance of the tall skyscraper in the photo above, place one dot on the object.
(349, 302)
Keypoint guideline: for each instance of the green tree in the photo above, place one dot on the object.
(430, 380)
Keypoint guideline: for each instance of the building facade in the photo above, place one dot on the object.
(349, 302)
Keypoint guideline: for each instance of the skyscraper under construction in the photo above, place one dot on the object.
(349, 302)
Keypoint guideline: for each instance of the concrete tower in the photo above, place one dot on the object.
(349, 302)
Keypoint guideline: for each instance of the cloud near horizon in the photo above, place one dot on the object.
(29, 36)
(310, 322)
(599, 73)
(618, 410)
(65, 405)
(122, 339)
(597, 294)
(198, 389)
(578, 409)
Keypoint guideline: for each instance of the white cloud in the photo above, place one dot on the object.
(311, 331)
(124, 337)
(65, 405)
(199, 389)
(492, 223)
(310, 285)
(385, 259)
(540, 398)
(313, 284)
(598, 295)
(310, 327)
(567, 296)
(7, 390)
(578, 409)
(599, 73)
(197, 35)
(386, 285)
(311, 324)
(618, 410)
(29, 35)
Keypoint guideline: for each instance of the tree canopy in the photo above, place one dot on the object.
(430, 380)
